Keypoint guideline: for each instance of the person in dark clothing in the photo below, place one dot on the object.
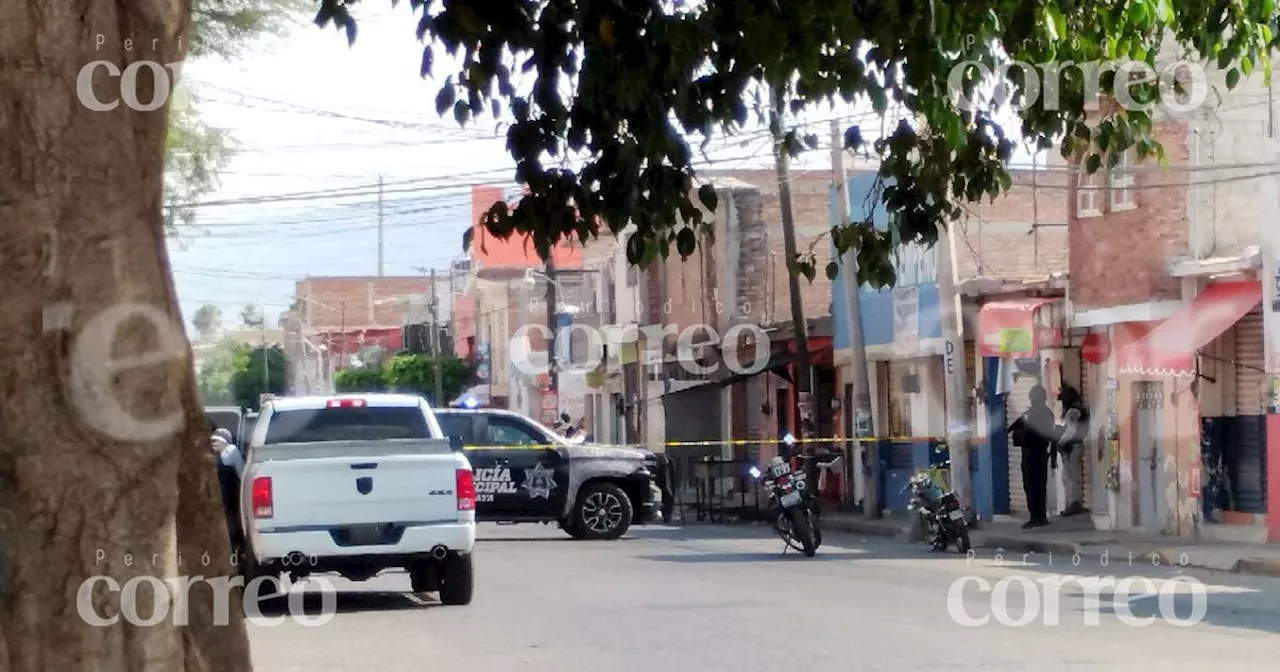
(230, 465)
(1033, 432)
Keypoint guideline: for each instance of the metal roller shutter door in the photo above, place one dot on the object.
(1250, 437)
(1250, 378)
(1017, 403)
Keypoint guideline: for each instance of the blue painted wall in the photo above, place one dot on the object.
(917, 267)
(993, 456)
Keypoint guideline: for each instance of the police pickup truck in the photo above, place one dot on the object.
(526, 473)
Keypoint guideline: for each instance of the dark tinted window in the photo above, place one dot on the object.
(455, 424)
(504, 431)
(347, 424)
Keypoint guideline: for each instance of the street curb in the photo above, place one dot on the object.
(1257, 567)
(1246, 566)
(1156, 557)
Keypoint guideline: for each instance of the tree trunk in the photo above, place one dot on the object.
(104, 469)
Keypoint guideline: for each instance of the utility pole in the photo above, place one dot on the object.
(860, 405)
(435, 342)
(954, 370)
(782, 162)
(266, 361)
(381, 246)
(553, 377)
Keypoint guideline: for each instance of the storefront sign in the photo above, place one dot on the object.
(1095, 348)
(1019, 328)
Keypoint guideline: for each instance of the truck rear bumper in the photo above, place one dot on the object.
(272, 545)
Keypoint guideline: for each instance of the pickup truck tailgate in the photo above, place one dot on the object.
(330, 485)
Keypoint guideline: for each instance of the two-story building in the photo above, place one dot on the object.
(1007, 261)
(1174, 284)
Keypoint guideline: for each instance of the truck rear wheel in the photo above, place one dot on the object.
(603, 512)
(424, 576)
(269, 586)
(457, 581)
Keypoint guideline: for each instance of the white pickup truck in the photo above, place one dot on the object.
(356, 484)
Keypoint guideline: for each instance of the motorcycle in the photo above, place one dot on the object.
(938, 507)
(795, 516)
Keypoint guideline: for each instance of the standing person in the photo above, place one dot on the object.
(1034, 432)
(1070, 440)
(230, 464)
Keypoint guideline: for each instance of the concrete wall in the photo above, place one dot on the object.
(1231, 141)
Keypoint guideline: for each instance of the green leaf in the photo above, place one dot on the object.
(853, 137)
(1054, 21)
(686, 242)
(1233, 78)
(833, 270)
(878, 101)
(446, 97)
(707, 195)
(1093, 163)
(1246, 65)
(427, 60)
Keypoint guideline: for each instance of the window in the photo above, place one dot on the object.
(1121, 184)
(1086, 194)
(455, 424)
(508, 432)
(379, 423)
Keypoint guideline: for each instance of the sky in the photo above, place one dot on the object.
(317, 124)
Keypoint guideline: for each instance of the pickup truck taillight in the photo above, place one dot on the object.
(263, 506)
(466, 489)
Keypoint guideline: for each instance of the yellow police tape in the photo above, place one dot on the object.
(730, 442)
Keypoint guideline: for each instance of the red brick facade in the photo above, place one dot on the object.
(1119, 257)
(331, 304)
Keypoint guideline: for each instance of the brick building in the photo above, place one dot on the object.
(1171, 276)
(1011, 254)
(338, 320)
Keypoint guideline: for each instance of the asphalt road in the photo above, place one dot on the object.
(725, 598)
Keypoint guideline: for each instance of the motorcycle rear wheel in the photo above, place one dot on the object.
(802, 531)
(962, 541)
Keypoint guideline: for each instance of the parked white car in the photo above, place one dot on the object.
(357, 484)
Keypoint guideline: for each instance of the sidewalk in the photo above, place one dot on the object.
(1068, 536)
